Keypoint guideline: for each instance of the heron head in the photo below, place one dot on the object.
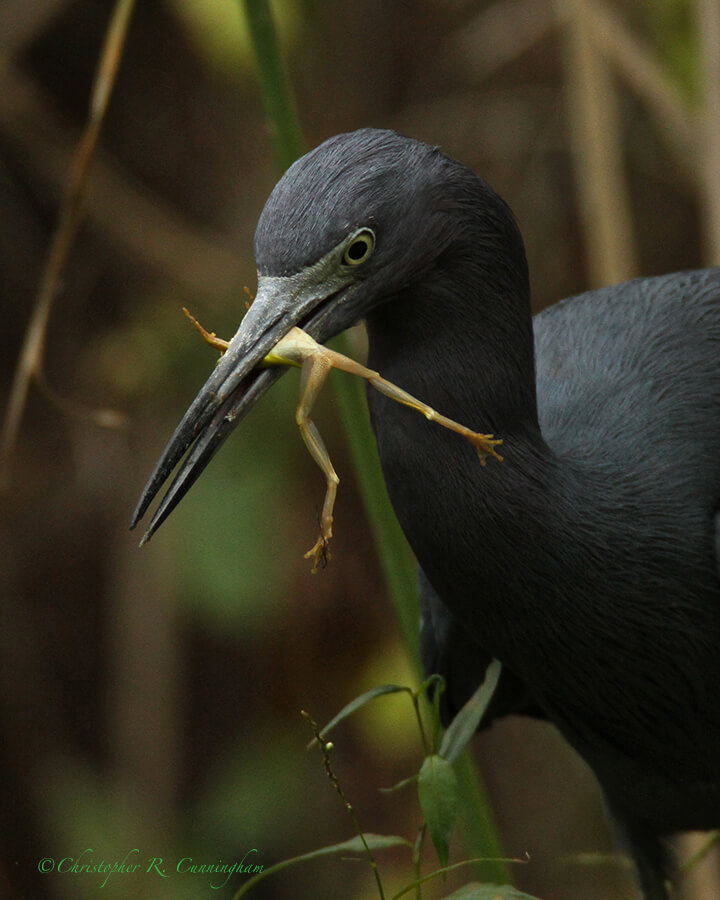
(349, 225)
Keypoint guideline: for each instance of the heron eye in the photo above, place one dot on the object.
(359, 248)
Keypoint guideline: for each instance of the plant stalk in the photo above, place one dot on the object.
(398, 565)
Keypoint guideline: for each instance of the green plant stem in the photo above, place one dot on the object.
(477, 825)
(396, 560)
(330, 772)
(417, 699)
(417, 860)
(281, 112)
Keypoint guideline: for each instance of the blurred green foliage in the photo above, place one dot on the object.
(673, 28)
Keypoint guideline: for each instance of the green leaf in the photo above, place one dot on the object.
(465, 723)
(476, 891)
(434, 679)
(413, 886)
(438, 793)
(355, 704)
(399, 785)
(354, 845)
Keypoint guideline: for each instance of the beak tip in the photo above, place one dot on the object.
(227, 394)
(140, 511)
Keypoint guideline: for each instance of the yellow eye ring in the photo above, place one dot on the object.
(359, 248)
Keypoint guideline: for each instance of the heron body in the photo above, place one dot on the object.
(586, 561)
(591, 572)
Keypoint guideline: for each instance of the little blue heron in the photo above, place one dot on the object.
(587, 560)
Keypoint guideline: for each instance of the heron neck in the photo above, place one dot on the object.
(478, 368)
(463, 345)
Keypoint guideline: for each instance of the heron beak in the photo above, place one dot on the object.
(238, 381)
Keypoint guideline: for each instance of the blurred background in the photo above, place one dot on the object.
(151, 699)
